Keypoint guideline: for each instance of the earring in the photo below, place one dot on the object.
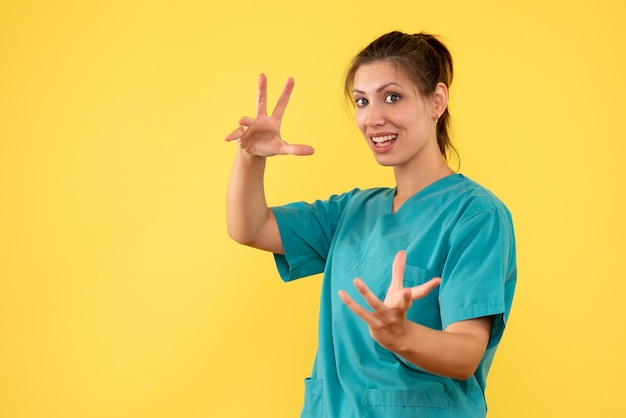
(435, 118)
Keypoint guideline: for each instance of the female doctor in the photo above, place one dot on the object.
(419, 278)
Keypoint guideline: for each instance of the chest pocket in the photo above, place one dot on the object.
(424, 311)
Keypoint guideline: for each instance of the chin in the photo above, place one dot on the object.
(385, 160)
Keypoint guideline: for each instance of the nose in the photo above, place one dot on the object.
(374, 115)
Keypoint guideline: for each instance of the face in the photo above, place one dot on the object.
(394, 118)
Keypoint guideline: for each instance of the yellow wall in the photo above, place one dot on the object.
(120, 292)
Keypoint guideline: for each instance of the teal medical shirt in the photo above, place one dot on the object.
(454, 229)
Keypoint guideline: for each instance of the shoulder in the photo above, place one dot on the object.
(473, 199)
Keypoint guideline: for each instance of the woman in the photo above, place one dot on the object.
(418, 343)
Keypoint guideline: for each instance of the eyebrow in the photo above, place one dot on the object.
(378, 90)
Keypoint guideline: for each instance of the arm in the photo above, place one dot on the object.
(454, 352)
(248, 218)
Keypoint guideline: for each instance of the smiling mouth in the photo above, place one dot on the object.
(383, 141)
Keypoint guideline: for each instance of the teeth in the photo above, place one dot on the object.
(379, 139)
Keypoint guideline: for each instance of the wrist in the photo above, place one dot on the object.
(404, 344)
(249, 157)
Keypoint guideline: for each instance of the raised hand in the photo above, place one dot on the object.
(387, 323)
(261, 135)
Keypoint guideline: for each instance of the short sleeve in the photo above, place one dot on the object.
(307, 231)
(480, 272)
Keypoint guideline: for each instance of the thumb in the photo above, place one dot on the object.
(296, 149)
(418, 292)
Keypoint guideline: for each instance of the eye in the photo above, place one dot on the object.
(360, 102)
(391, 98)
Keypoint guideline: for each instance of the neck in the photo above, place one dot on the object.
(409, 182)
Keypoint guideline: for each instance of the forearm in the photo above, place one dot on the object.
(455, 352)
(248, 218)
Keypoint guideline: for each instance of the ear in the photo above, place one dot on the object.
(440, 99)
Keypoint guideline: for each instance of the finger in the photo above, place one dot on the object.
(422, 290)
(283, 100)
(369, 297)
(397, 270)
(236, 134)
(261, 103)
(397, 300)
(295, 149)
(361, 312)
(246, 121)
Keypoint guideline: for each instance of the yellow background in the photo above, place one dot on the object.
(121, 294)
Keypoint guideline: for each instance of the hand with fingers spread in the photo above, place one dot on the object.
(388, 323)
(260, 136)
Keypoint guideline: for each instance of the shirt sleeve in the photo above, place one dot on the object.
(480, 272)
(307, 231)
